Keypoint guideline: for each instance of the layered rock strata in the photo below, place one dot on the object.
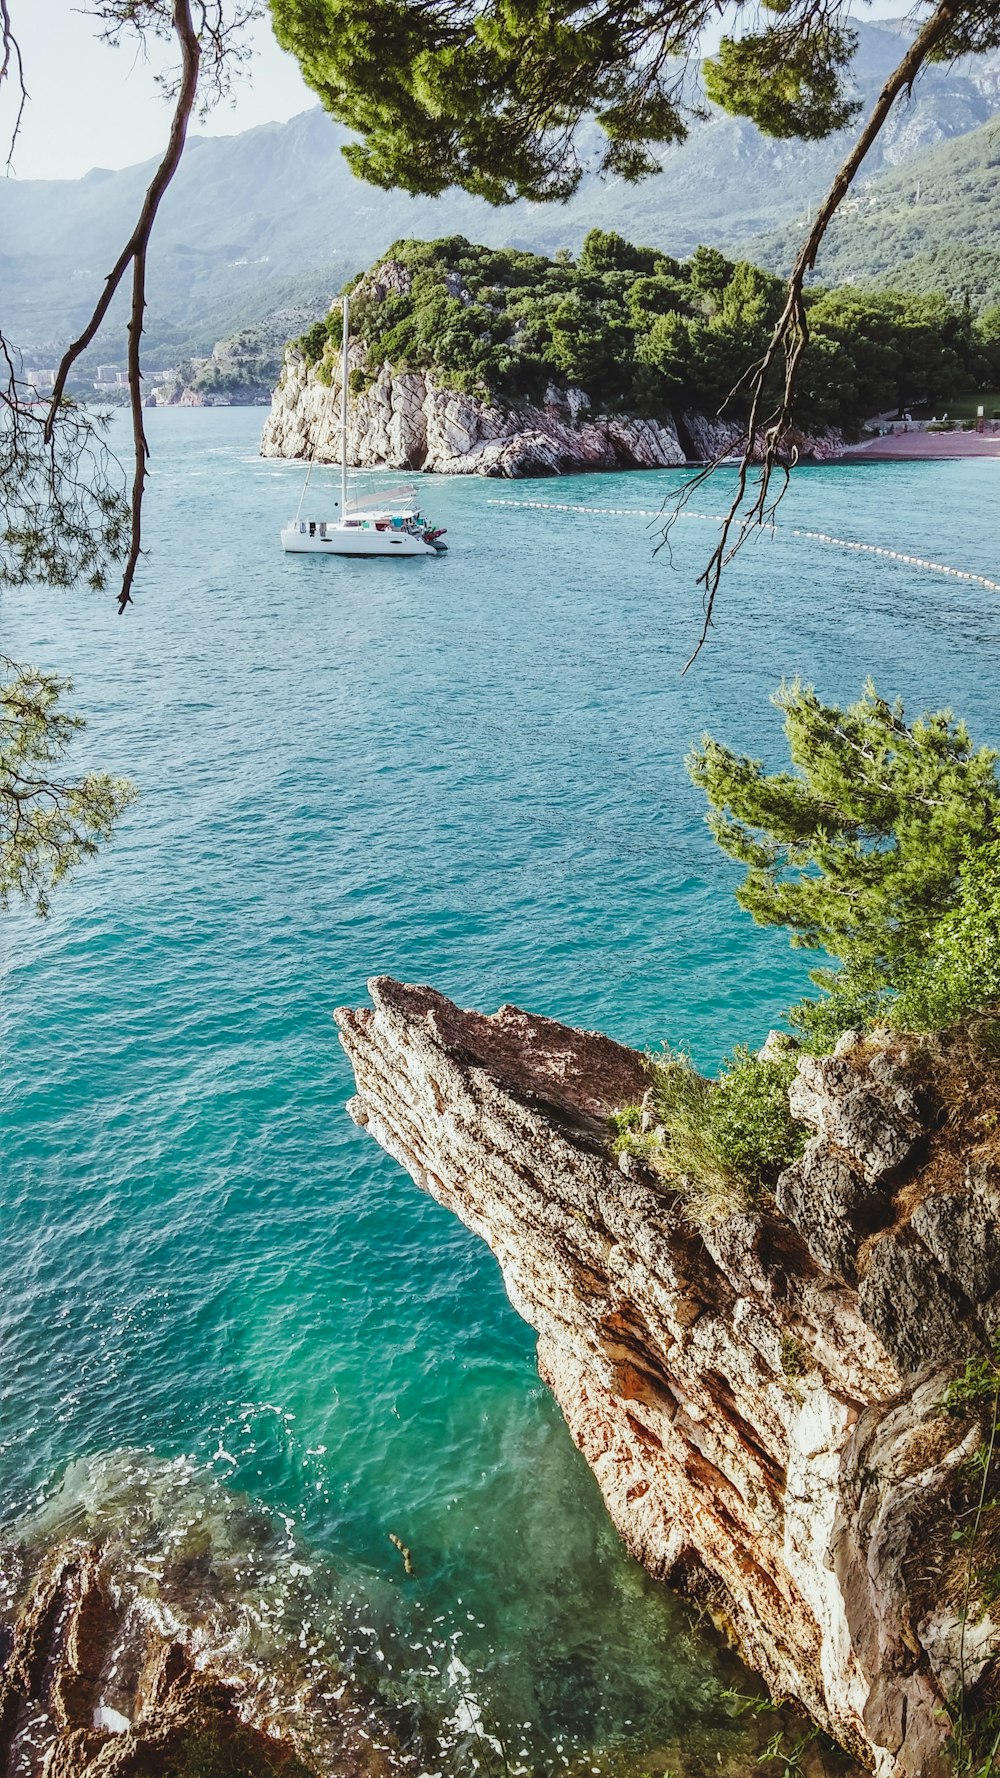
(411, 421)
(759, 1398)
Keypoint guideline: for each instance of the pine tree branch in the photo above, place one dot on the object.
(11, 53)
(134, 253)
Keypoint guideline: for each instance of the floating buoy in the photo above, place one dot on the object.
(895, 555)
(718, 518)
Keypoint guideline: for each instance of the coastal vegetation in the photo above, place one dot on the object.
(490, 97)
(880, 849)
(50, 819)
(643, 332)
(930, 224)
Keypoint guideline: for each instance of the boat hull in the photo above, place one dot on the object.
(364, 541)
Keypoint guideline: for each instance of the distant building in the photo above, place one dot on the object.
(40, 381)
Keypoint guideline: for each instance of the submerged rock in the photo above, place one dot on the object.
(144, 1618)
(760, 1398)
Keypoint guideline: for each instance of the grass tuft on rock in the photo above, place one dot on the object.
(721, 1143)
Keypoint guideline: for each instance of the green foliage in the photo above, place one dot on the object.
(896, 349)
(845, 1006)
(860, 849)
(787, 82)
(975, 1738)
(719, 1142)
(63, 513)
(313, 343)
(637, 329)
(958, 971)
(930, 225)
(48, 824)
(794, 1358)
(752, 1129)
(489, 96)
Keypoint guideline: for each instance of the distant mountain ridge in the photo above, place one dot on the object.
(273, 217)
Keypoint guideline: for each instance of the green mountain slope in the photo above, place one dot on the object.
(274, 218)
(932, 224)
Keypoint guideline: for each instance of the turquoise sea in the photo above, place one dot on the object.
(466, 771)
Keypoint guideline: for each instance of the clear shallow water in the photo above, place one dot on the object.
(467, 771)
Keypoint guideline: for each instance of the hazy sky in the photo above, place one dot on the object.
(94, 106)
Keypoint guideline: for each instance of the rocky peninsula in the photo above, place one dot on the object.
(759, 1396)
(452, 410)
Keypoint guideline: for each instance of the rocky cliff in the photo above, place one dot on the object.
(759, 1398)
(412, 420)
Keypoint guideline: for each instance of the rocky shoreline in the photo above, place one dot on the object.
(153, 1623)
(412, 420)
(760, 1398)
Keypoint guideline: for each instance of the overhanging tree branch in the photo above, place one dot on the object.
(769, 434)
(134, 253)
(10, 54)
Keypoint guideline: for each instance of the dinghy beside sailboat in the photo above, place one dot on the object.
(383, 525)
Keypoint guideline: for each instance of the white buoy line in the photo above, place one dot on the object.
(868, 549)
(614, 512)
(897, 555)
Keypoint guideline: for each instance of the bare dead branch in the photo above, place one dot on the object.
(140, 446)
(11, 54)
(768, 435)
(134, 253)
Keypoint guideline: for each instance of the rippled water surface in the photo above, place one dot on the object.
(468, 771)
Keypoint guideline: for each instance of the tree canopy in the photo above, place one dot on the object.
(488, 94)
(879, 847)
(50, 821)
(643, 332)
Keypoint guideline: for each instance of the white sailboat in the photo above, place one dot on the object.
(383, 525)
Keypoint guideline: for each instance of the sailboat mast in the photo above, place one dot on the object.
(343, 411)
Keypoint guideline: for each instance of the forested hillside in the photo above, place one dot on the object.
(932, 224)
(641, 331)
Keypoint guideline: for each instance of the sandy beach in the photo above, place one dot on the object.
(927, 445)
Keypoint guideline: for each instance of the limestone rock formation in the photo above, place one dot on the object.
(759, 1398)
(410, 420)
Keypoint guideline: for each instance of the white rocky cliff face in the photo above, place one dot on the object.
(410, 420)
(759, 1400)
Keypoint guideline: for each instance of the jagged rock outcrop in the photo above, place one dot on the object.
(150, 1636)
(709, 437)
(759, 1398)
(411, 420)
